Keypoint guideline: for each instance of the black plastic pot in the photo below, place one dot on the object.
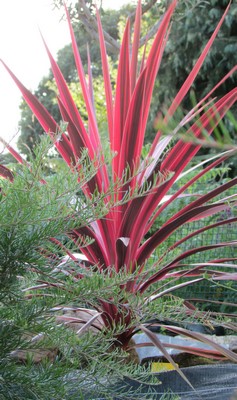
(214, 382)
(195, 327)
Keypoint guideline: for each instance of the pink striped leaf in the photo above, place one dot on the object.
(135, 46)
(178, 162)
(107, 82)
(6, 173)
(175, 263)
(122, 99)
(192, 75)
(84, 86)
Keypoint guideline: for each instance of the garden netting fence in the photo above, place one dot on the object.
(222, 291)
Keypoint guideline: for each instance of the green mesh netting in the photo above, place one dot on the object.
(207, 289)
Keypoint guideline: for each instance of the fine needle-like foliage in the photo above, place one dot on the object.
(120, 242)
(38, 358)
(30, 213)
(41, 359)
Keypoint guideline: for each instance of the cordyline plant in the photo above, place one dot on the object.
(120, 243)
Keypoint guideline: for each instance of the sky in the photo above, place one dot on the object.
(21, 48)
